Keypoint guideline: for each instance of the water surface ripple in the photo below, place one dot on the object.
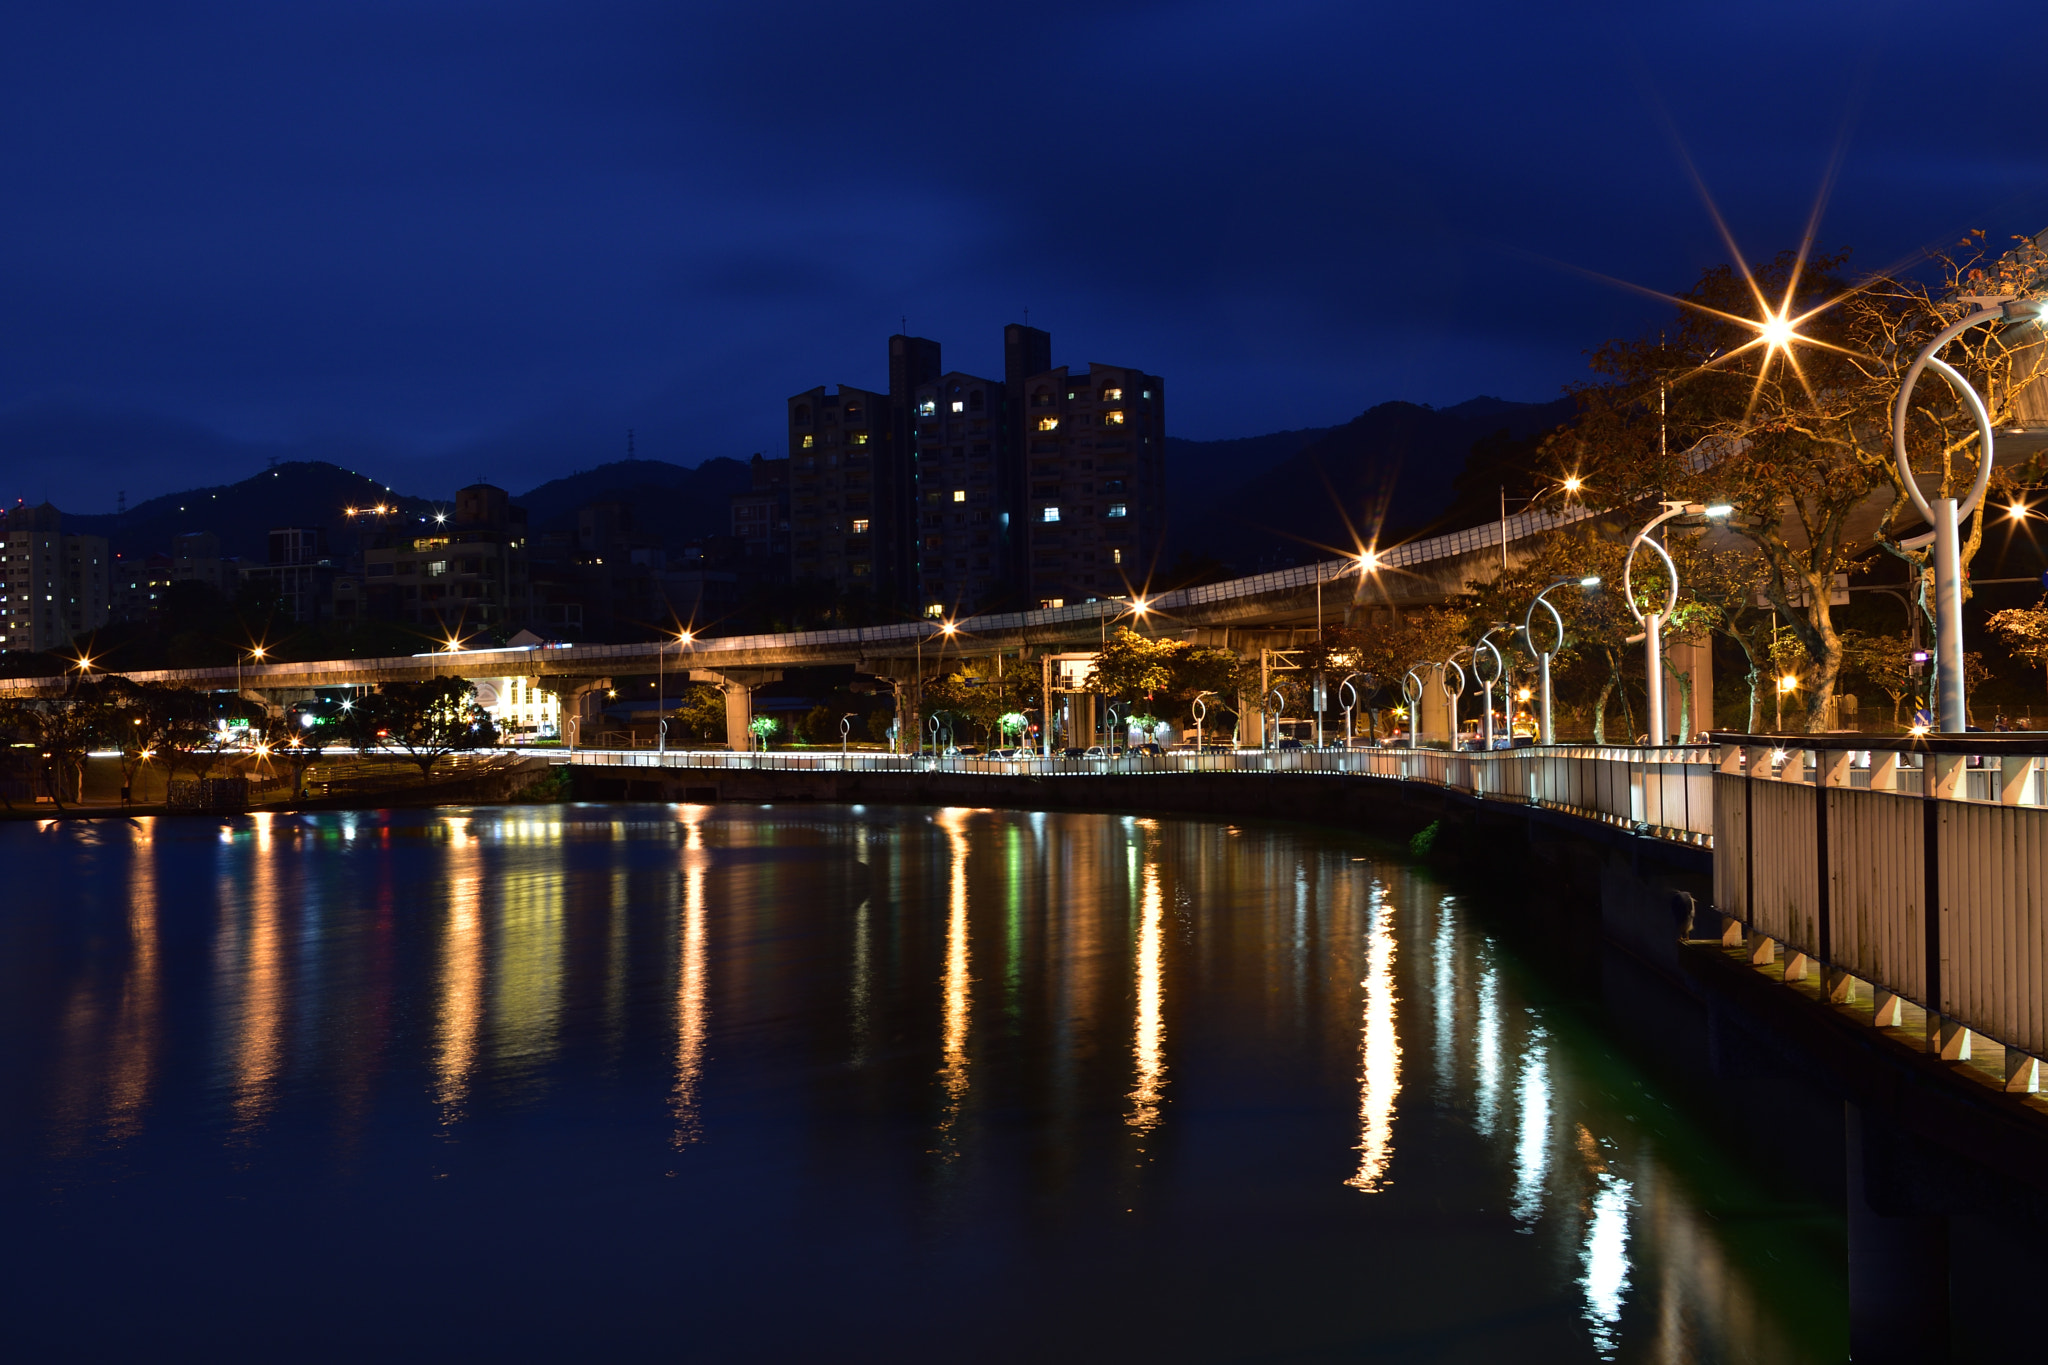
(814, 1082)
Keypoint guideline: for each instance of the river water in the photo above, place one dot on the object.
(826, 1082)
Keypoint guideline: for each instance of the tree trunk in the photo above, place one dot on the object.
(1600, 711)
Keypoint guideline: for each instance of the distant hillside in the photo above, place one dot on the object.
(1204, 469)
(1395, 469)
(667, 500)
(302, 493)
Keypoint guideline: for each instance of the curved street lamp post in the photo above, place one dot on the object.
(1451, 665)
(1653, 622)
(1548, 730)
(1945, 515)
(1486, 684)
(1411, 692)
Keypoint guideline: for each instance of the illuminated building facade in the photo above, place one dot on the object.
(53, 587)
(1094, 503)
(460, 573)
(964, 481)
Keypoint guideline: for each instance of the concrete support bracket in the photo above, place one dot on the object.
(1889, 1010)
(1763, 949)
(1948, 1039)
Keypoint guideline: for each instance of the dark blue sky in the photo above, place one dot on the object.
(435, 240)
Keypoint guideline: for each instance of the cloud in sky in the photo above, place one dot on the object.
(461, 238)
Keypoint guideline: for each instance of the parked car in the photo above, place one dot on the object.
(1074, 753)
(1147, 750)
(1290, 744)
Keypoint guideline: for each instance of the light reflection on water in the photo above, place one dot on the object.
(759, 995)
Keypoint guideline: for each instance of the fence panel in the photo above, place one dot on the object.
(1994, 863)
(1877, 925)
(1785, 879)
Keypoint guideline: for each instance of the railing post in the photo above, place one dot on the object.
(1945, 775)
(1884, 771)
(2012, 779)
(1832, 767)
(1794, 768)
(1730, 760)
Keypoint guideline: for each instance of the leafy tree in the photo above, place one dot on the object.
(425, 721)
(2024, 630)
(699, 713)
(1793, 425)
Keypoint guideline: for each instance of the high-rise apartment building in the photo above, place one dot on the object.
(842, 526)
(53, 587)
(964, 508)
(977, 494)
(1094, 509)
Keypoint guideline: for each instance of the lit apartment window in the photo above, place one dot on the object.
(959, 495)
(808, 440)
(1049, 514)
(860, 526)
(959, 405)
(439, 566)
(1146, 393)
(927, 407)
(1051, 603)
(1116, 556)
(1112, 419)
(936, 610)
(1048, 423)
(1118, 509)
(1112, 395)
(860, 438)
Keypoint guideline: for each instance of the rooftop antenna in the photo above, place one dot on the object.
(629, 443)
(904, 321)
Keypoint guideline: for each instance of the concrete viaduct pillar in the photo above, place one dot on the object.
(579, 717)
(738, 684)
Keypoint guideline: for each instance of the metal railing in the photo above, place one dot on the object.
(1666, 792)
(1914, 866)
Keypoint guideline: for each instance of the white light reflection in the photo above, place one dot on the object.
(1150, 1045)
(957, 981)
(1486, 1053)
(1446, 1000)
(692, 987)
(1379, 1049)
(863, 969)
(462, 975)
(1532, 1144)
(1605, 1259)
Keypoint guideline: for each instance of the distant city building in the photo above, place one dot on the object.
(612, 581)
(452, 575)
(53, 587)
(760, 518)
(139, 586)
(299, 574)
(196, 558)
(1095, 505)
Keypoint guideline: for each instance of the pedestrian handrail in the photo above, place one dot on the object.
(1910, 865)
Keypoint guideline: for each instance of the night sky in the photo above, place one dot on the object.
(433, 241)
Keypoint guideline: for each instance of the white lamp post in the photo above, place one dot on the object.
(1543, 656)
(1486, 684)
(1653, 622)
(1411, 692)
(1945, 514)
(1451, 665)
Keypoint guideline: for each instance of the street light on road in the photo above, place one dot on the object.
(1363, 563)
(1945, 515)
(1486, 684)
(1653, 622)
